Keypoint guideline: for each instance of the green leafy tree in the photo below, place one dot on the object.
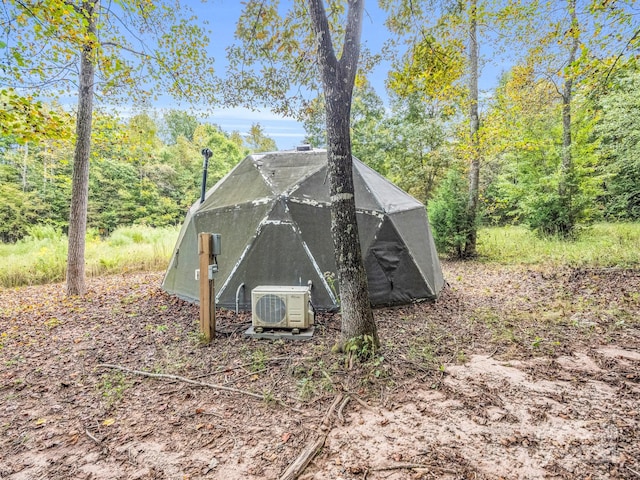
(18, 208)
(435, 66)
(368, 129)
(447, 214)
(118, 48)
(258, 141)
(307, 47)
(141, 142)
(177, 123)
(524, 128)
(619, 128)
(418, 150)
(574, 44)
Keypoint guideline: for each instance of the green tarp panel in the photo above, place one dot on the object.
(273, 213)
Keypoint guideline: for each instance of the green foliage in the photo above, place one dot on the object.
(417, 150)
(138, 46)
(369, 135)
(360, 348)
(600, 245)
(447, 214)
(548, 214)
(258, 141)
(274, 61)
(619, 127)
(25, 119)
(41, 257)
(112, 387)
(226, 153)
(524, 140)
(44, 232)
(176, 124)
(135, 177)
(18, 210)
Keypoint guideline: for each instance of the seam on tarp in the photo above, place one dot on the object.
(413, 259)
(315, 265)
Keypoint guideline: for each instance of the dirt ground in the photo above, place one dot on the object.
(514, 373)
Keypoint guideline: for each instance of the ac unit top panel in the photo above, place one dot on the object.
(279, 289)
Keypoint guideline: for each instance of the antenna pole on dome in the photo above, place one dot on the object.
(206, 154)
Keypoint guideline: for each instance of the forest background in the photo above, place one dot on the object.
(146, 167)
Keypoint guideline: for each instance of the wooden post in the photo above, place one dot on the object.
(207, 287)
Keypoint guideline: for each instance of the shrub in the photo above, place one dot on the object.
(448, 215)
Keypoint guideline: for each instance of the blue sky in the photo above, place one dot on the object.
(220, 16)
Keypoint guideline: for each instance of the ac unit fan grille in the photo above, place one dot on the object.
(271, 309)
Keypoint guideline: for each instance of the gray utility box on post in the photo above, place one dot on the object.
(216, 244)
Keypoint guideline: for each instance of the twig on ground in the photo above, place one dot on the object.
(194, 382)
(181, 379)
(341, 408)
(92, 437)
(297, 467)
(360, 401)
(399, 466)
(244, 365)
(633, 471)
(327, 416)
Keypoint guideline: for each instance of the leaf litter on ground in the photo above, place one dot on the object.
(514, 372)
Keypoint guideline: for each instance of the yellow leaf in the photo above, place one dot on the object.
(41, 421)
(109, 421)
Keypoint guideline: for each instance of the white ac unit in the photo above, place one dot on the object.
(281, 307)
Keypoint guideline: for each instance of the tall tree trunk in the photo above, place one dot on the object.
(25, 158)
(357, 317)
(566, 185)
(474, 127)
(338, 78)
(80, 177)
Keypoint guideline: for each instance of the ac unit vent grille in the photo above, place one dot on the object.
(271, 309)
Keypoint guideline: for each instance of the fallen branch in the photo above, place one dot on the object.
(327, 416)
(361, 402)
(399, 466)
(297, 467)
(182, 379)
(91, 436)
(244, 365)
(341, 408)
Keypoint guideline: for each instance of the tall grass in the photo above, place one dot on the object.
(600, 245)
(42, 256)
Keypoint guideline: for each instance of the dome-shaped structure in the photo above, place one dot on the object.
(273, 212)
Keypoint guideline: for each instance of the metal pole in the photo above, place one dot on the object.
(206, 154)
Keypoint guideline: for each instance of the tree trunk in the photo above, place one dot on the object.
(566, 186)
(25, 158)
(474, 127)
(357, 317)
(338, 78)
(80, 177)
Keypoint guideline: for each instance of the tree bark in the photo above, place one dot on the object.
(80, 176)
(338, 77)
(474, 127)
(565, 187)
